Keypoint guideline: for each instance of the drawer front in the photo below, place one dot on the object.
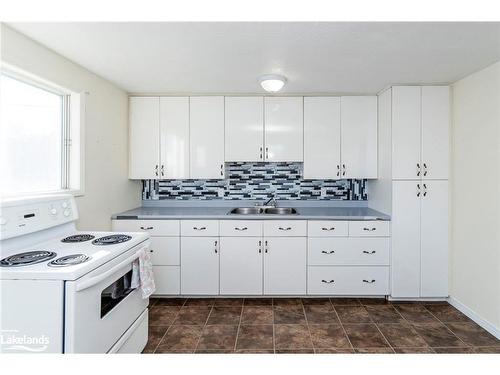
(369, 229)
(363, 281)
(165, 251)
(327, 228)
(348, 251)
(285, 228)
(153, 227)
(167, 280)
(241, 228)
(196, 228)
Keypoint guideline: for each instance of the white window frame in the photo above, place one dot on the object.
(73, 137)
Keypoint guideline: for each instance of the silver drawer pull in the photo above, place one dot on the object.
(328, 281)
(200, 228)
(244, 228)
(146, 228)
(369, 282)
(287, 228)
(369, 229)
(369, 252)
(327, 252)
(332, 228)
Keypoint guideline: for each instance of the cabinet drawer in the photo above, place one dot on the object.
(241, 228)
(348, 251)
(285, 228)
(167, 280)
(165, 251)
(348, 281)
(369, 228)
(327, 228)
(195, 228)
(153, 227)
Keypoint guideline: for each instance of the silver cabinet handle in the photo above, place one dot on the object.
(222, 169)
(418, 190)
(327, 252)
(216, 248)
(200, 228)
(332, 228)
(328, 281)
(343, 169)
(151, 250)
(156, 170)
(260, 153)
(369, 252)
(267, 153)
(146, 228)
(425, 190)
(369, 229)
(369, 281)
(244, 228)
(338, 170)
(260, 247)
(265, 247)
(425, 169)
(418, 169)
(162, 170)
(287, 228)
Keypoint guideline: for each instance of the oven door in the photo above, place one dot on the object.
(101, 306)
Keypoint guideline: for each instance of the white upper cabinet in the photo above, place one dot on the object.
(174, 137)
(406, 142)
(206, 115)
(244, 128)
(435, 132)
(359, 136)
(322, 137)
(143, 134)
(284, 130)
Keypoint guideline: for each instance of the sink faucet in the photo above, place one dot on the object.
(271, 202)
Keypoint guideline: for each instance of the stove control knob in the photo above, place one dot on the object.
(3, 221)
(53, 211)
(64, 205)
(66, 212)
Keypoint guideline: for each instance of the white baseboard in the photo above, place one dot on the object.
(495, 331)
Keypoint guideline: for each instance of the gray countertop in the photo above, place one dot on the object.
(209, 212)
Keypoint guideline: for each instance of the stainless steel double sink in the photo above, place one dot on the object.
(263, 211)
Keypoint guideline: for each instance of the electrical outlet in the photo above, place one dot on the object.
(323, 192)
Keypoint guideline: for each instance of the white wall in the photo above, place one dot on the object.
(475, 189)
(107, 188)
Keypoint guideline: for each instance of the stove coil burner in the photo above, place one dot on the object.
(69, 260)
(112, 239)
(26, 259)
(78, 238)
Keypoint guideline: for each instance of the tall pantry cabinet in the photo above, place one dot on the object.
(419, 124)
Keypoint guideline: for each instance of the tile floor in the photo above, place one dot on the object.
(312, 325)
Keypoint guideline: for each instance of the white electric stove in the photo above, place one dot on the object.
(63, 290)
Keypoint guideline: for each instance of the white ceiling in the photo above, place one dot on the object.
(315, 57)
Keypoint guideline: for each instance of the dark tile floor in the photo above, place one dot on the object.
(313, 325)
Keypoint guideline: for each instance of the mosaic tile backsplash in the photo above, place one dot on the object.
(257, 181)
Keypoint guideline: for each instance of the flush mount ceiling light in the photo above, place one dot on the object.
(272, 82)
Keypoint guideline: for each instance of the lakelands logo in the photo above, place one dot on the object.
(11, 340)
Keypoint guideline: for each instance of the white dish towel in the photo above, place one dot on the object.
(142, 273)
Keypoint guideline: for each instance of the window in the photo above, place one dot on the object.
(35, 144)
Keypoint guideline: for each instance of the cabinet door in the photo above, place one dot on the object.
(322, 138)
(241, 265)
(406, 137)
(405, 238)
(284, 265)
(435, 132)
(144, 127)
(434, 242)
(199, 265)
(359, 136)
(174, 137)
(206, 137)
(284, 128)
(244, 128)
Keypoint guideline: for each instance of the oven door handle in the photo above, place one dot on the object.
(97, 279)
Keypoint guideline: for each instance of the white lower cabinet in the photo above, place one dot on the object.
(241, 265)
(200, 265)
(165, 251)
(167, 280)
(284, 265)
(355, 280)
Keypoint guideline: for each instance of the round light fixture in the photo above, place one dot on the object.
(272, 82)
